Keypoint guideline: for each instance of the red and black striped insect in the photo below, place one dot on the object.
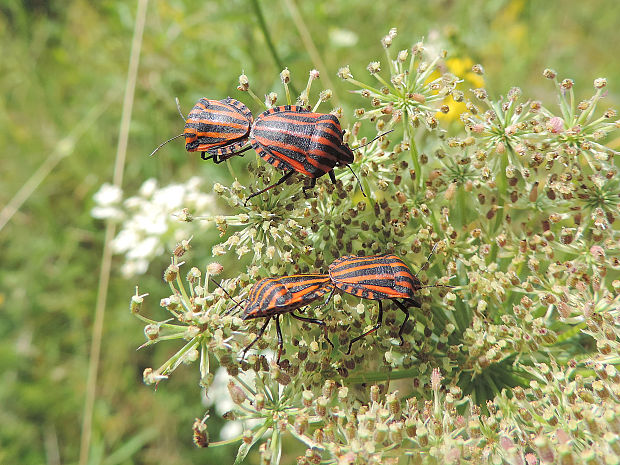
(294, 139)
(271, 297)
(377, 277)
(218, 128)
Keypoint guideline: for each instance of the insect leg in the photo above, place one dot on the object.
(311, 186)
(329, 298)
(412, 303)
(280, 181)
(280, 342)
(406, 312)
(316, 322)
(258, 336)
(223, 157)
(372, 330)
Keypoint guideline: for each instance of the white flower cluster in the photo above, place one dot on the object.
(151, 221)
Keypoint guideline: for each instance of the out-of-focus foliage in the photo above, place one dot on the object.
(62, 75)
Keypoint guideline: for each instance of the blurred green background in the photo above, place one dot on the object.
(62, 74)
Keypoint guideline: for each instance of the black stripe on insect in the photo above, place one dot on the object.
(294, 139)
(218, 128)
(378, 277)
(270, 298)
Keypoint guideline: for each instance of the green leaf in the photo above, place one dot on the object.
(130, 447)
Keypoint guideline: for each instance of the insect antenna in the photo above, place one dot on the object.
(428, 259)
(358, 180)
(164, 143)
(438, 285)
(237, 304)
(424, 266)
(370, 142)
(359, 147)
(176, 99)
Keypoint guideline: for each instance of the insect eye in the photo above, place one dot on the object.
(280, 300)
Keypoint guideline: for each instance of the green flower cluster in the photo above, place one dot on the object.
(517, 363)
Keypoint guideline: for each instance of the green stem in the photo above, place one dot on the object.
(413, 150)
(430, 69)
(227, 441)
(368, 198)
(245, 385)
(230, 169)
(260, 102)
(267, 35)
(563, 105)
(588, 113)
(288, 93)
(185, 300)
(366, 86)
(391, 64)
(393, 90)
(172, 361)
(502, 191)
(411, 71)
(147, 320)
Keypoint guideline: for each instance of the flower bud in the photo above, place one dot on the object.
(136, 302)
(200, 433)
(285, 76)
(214, 268)
(328, 388)
(259, 401)
(237, 395)
(567, 84)
(244, 84)
(321, 406)
(307, 398)
(599, 83)
(345, 73)
(374, 393)
(171, 273)
(478, 69)
(396, 432)
(374, 67)
(151, 332)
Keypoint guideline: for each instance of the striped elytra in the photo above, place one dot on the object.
(377, 277)
(374, 277)
(217, 127)
(292, 138)
(271, 297)
(296, 140)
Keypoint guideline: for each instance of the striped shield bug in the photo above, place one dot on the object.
(377, 277)
(294, 139)
(218, 128)
(271, 297)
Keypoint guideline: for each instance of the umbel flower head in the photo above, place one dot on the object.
(515, 363)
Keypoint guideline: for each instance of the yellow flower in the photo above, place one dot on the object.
(461, 67)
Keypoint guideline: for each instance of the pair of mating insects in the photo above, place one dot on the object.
(288, 137)
(375, 277)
